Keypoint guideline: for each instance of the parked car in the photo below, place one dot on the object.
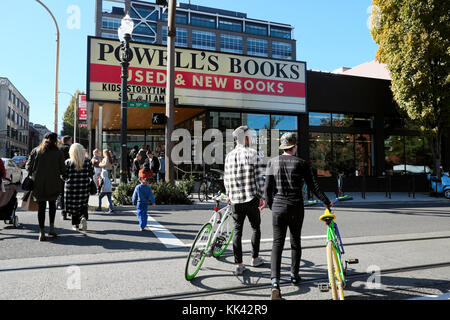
(13, 172)
(20, 161)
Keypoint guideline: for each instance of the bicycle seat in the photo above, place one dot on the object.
(327, 216)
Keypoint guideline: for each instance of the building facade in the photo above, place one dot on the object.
(14, 120)
(351, 124)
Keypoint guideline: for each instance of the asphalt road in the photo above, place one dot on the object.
(407, 247)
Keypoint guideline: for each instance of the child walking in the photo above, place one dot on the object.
(105, 189)
(141, 196)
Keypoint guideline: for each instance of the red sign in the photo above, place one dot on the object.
(82, 108)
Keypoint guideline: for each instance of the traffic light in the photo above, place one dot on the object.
(162, 3)
(159, 118)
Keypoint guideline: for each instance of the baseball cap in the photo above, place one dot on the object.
(288, 140)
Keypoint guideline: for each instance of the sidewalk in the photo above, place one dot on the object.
(398, 198)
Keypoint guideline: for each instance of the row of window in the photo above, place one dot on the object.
(17, 118)
(141, 12)
(230, 43)
(16, 135)
(146, 32)
(16, 101)
(150, 14)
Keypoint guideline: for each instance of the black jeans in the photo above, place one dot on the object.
(41, 212)
(284, 216)
(240, 211)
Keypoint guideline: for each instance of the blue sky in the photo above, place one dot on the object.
(329, 33)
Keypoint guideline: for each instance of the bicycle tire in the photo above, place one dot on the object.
(227, 235)
(203, 192)
(334, 273)
(197, 253)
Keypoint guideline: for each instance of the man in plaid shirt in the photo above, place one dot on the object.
(244, 184)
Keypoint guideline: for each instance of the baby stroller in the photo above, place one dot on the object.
(8, 205)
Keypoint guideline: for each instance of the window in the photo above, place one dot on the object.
(288, 123)
(280, 32)
(256, 29)
(230, 25)
(144, 39)
(9, 95)
(281, 50)
(180, 18)
(203, 40)
(320, 153)
(139, 11)
(407, 154)
(110, 35)
(110, 23)
(180, 39)
(8, 129)
(230, 43)
(144, 29)
(203, 21)
(257, 47)
(319, 119)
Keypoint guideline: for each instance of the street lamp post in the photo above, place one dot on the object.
(125, 30)
(170, 95)
(57, 64)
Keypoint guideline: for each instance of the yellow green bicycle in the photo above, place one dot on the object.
(335, 250)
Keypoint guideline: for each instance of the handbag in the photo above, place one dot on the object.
(92, 188)
(28, 182)
(28, 203)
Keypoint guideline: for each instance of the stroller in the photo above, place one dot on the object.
(8, 205)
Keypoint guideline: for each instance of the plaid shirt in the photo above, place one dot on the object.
(244, 175)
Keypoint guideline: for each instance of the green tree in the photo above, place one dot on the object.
(414, 42)
(67, 128)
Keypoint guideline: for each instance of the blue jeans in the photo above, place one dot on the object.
(108, 195)
(142, 209)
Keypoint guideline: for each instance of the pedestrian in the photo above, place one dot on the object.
(244, 184)
(107, 162)
(162, 170)
(66, 142)
(46, 165)
(152, 162)
(2, 174)
(96, 159)
(136, 165)
(78, 176)
(105, 189)
(143, 152)
(285, 175)
(141, 196)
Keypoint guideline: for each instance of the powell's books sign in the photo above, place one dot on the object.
(202, 78)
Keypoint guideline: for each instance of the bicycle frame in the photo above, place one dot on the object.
(218, 217)
(335, 238)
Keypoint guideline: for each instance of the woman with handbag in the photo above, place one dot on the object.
(45, 166)
(78, 178)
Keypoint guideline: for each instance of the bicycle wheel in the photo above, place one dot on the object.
(334, 273)
(197, 254)
(203, 192)
(225, 236)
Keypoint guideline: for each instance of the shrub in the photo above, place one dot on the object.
(164, 193)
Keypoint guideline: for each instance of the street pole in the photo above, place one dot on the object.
(57, 64)
(123, 112)
(75, 113)
(170, 94)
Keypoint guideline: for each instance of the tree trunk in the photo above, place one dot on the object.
(435, 145)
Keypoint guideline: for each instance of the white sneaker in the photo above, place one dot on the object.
(258, 262)
(83, 224)
(75, 228)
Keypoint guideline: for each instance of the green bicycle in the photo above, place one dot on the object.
(212, 239)
(335, 250)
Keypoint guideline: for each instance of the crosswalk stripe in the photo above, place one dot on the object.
(167, 238)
